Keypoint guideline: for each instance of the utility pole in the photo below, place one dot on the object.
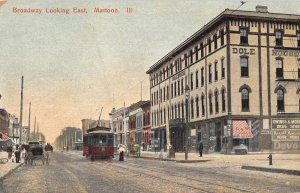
(21, 112)
(141, 90)
(29, 121)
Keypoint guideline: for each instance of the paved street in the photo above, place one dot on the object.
(71, 172)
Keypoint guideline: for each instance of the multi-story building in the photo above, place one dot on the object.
(242, 70)
(117, 118)
(146, 131)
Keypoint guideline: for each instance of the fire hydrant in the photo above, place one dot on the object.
(270, 159)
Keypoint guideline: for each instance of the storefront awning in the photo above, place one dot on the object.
(241, 130)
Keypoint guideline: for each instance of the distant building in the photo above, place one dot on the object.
(117, 121)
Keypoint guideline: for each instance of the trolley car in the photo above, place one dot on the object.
(98, 143)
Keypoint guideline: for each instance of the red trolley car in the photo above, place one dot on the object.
(98, 143)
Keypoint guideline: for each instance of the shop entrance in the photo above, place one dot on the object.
(218, 137)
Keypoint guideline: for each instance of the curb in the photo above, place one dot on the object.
(273, 170)
(192, 161)
(10, 171)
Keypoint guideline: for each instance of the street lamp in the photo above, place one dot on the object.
(187, 97)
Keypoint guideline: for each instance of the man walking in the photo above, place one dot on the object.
(17, 154)
(200, 148)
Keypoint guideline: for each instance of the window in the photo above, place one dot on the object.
(243, 36)
(175, 108)
(175, 89)
(223, 68)
(210, 103)
(171, 69)
(167, 71)
(280, 100)
(192, 108)
(244, 67)
(178, 106)
(215, 41)
(245, 100)
(222, 37)
(298, 68)
(197, 81)
(196, 50)
(202, 76)
(172, 112)
(279, 68)
(185, 60)
(172, 90)
(182, 110)
(217, 101)
(209, 73)
(178, 85)
(167, 92)
(192, 81)
(216, 71)
(202, 105)
(278, 37)
(191, 56)
(202, 50)
(209, 45)
(164, 116)
(182, 86)
(298, 39)
(223, 100)
(197, 106)
(164, 94)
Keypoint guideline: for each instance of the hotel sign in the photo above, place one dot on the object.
(281, 52)
(245, 51)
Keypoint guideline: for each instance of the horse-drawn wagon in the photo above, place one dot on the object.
(34, 151)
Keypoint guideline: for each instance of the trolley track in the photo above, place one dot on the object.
(197, 183)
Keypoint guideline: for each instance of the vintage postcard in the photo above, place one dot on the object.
(149, 96)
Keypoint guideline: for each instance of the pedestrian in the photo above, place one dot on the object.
(200, 148)
(17, 154)
(121, 153)
(9, 151)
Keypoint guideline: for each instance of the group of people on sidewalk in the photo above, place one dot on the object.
(15, 152)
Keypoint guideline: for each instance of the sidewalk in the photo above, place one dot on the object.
(6, 169)
(282, 163)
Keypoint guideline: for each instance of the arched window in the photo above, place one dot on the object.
(192, 108)
(172, 112)
(175, 108)
(245, 100)
(202, 105)
(164, 115)
(299, 66)
(280, 100)
(178, 106)
(182, 109)
(217, 101)
(210, 103)
(197, 106)
(223, 100)
(244, 66)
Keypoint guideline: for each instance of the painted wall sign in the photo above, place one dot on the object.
(286, 134)
(245, 51)
(280, 52)
(289, 145)
(178, 75)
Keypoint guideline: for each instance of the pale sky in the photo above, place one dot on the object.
(74, 64)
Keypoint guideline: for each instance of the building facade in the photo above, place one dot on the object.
(242, 70)
(117, 124)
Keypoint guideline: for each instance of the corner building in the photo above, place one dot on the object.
(243, 71)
